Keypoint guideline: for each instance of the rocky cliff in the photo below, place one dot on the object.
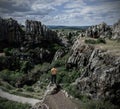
(100, 78)
(10, 31)
(36, 32)
(102, 30)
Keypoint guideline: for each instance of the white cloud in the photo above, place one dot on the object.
(62, 12)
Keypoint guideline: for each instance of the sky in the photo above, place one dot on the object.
(62, 12)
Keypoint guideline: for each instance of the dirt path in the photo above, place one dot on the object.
(18, 98)
(60, 101)
(54, 101)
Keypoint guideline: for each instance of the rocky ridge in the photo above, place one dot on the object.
(99, 31)
(100, 78)
(104, 31)
(10, 31)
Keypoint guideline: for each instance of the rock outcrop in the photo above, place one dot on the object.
(36, 32)
(100, 79)
(10, 31)
(79, 55)
(116, 30)
(99, 31)
(59, 53)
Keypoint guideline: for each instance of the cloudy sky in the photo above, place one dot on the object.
(62, 12)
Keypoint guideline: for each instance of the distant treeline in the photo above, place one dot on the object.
(68, 27)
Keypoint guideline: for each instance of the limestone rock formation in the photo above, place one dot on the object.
(116, 30)
(79, 55)
(102, 30)
(36, 32)
(10, 31)
(100, 80)
(59, 53)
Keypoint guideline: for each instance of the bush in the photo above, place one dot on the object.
(101, 40)
(6, 104)
(67, 77)
(93, 41)
(97, 104)
(28, 88)
(90, 41)
(25, 66)
(72, 90)
(10, 76)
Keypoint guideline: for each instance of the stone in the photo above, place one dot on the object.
(116, 30)
(99, 31)
(59, 53)
(10, 31)
(79, 55)
(100, 80)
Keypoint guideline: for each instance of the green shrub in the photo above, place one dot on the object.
(101, 40)
(95, 41)
(65, 76)
(6, 104)
(90, 41)
(30, 89)
(25, 66)
(10, 76)
(72, 90)
(97, 104)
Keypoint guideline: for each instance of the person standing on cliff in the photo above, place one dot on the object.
(53, 75)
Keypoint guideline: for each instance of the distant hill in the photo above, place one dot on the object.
(67, 27)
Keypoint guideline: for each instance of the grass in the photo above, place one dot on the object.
(111, 46)
(95, 41)
(6, 104)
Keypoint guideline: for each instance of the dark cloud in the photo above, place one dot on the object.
(11, 6)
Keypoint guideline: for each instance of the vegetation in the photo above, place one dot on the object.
(99, 104)
(6, 104)
(10, 76)
(95, 41)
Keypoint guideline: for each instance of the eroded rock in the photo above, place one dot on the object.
(100, 80)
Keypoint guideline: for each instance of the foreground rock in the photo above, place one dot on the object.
(60, 101)
(100, 80)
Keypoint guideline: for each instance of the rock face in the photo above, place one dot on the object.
(100, 80)
(102, 30)
(79, 55)
(116, 30)
(10, 31)
(36, 32)
(59, 53)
